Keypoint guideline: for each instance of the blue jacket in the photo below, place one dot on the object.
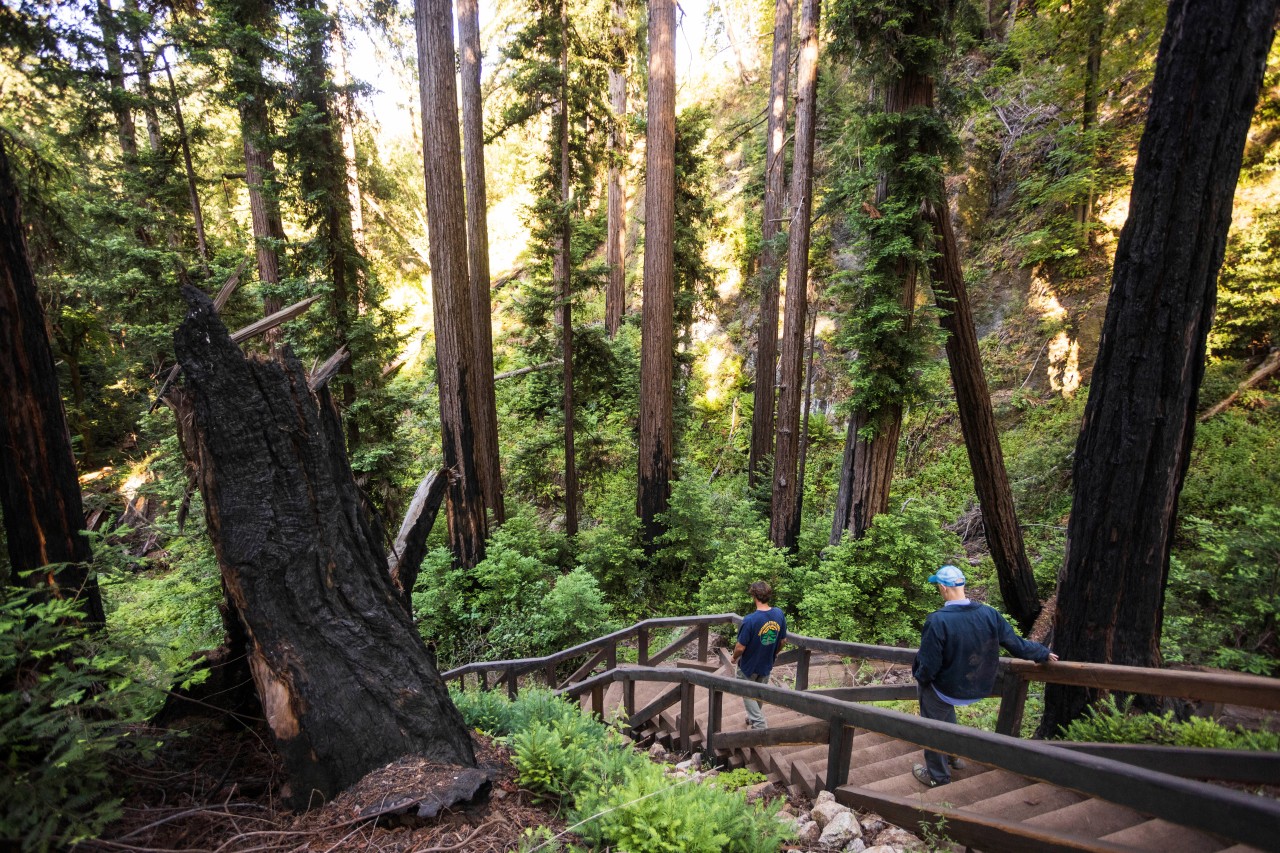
(959, 648)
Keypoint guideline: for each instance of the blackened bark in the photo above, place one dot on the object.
(871, 444)
(615, 297)
(450, 286)
(775, 188)
(978, 423)
(784, 516)
(345, 681)
(1139, 421)
(39, 489)
(488, 462)
(657, 330)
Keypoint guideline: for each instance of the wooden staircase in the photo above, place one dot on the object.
(1009, 811)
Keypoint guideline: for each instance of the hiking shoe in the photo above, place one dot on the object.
(956, 762)
(923, 777)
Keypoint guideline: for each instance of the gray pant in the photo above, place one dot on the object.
(755, 717)
(933, 708)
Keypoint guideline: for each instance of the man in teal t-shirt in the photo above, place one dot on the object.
(759, 639)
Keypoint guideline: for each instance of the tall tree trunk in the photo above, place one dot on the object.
(125, 130)
(1095, 14)
(346, 683)
(564, 289)
(808, 400)
(39, 489)
(264, 206)
(1139, 421)
(978, 423)
(144, 65)
(347, 122)
(488, 462)
(657, 330)
(193, 193)
(615, 297)
(871, 444)
(450, 287)
(775, 188)
(784, 520)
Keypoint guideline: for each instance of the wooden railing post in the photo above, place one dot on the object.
(597, 700)
(483, 675)
(704, 642)
(715, 716)
(611, 660)
(512, 686)
(686, 717)
(629, 700)
(1013, 701)
(802, 670)
(549, 672)
(839, 752)
(642, 645)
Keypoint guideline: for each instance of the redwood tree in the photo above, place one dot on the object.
(784, 521)
(657, 331)
(775, 185)
(450, 286)
(615, 298)
(1139, 421)
(39, 488)
(469, 66)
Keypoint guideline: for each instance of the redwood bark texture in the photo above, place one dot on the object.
(1139, 421)
(39, 488)
(784, 517)
(871, 444)
(615, 295)
(564, 284)
(264, 207)
(345, 681)
(450, 286)
(775, 188)
(657, 330)
(488, 462)
(978, 423)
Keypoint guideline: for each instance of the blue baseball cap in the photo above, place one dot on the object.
(948, 576)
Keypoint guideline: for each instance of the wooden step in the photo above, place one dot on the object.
(1161, 836)
(886, 768)
(1022, 803)
(980, 786)
(1089, 817)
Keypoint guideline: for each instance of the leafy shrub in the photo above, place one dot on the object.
(1223, 599)
(749, 556)
(65, 702)
(1112, 722)
(873, 589)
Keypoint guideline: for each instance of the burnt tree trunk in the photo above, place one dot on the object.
(39, 489)
(978, 423)
(564, 288)
(615, 297)
(1139, 421)
(775, 188)
(488, 462)
(657, 330)
(346, 683)
(450, 285)
(784, 516)
(871, 444)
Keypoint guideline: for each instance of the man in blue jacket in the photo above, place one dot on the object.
(759, 639)
(956, 664)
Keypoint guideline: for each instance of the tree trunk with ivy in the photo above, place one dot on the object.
(39, 488)
(1139, 421)
(775, 187)
(784, 516)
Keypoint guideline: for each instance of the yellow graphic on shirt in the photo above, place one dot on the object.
(769, 633)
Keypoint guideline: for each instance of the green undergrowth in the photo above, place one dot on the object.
(613, 796)
(1113, 722)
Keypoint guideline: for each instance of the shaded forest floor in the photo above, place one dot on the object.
(212, 788)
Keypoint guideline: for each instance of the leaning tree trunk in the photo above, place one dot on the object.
(784, 516)
(978, 423)
(657, 330)
(1139, 422)
(346, 682)
(488, 461)
(450, 286)
(615, 296)
(871, 444)
(39, 489)
(775, 188)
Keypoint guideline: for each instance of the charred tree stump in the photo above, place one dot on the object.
(345, 681)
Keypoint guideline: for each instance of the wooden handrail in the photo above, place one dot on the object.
(1254, 691)
(1247, 818)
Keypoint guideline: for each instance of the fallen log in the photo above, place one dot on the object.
(345, 681)
(1270, 366)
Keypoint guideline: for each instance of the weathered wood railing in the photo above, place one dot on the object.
(1243, 817)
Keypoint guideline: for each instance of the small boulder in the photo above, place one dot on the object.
(842, 829)
(899, 838)
(761, 791)
(857, 845)
(657, 753)
(826, 812)
(825, 797)
(807, 832)
(880, 848)
(872, 824)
